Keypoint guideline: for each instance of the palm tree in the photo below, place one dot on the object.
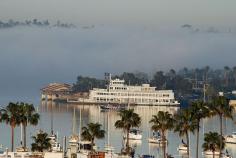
(28, 115)
(92, 131)
(128, 120)
(162, 121)
(212, 142)
(11, 116)
(41, 142)
(185, 123)
(199, 111)
(220, 106)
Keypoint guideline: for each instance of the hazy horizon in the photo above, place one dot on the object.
(128, 36)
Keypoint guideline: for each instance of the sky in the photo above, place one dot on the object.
(128, 35)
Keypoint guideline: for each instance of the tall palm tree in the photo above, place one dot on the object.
(128, 120)
(212, 142)
(28, 115)
(11, 116)
(185, 123)
(162, 121)
(92, 131)
(199, 111)
(220, 107)
(41, 142)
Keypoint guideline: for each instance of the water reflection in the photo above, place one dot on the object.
(62, 122)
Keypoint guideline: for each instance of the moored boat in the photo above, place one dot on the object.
(183, 148)
(112, 107)
(209, 153)
(135, 134)
(231, 138)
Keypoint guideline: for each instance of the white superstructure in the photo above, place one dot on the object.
(118, 92)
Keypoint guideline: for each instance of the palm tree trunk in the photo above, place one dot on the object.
(198, 128)
(221, 134)
(92, 142)
(127, 142)
(12, 138)
(24, 131)
(213, 154)
(164, 144)
(187, 138)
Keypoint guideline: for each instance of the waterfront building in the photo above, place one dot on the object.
(55, 91)
(118, 92)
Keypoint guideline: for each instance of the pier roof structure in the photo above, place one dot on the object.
(56, 88)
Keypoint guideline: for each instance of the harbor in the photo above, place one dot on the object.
(63, 114)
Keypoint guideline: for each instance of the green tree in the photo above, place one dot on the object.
(128, 120)
(28, 116)
(92, 131)
(185, 123)
(199, 111)
(162, 121)
(41, 142)
(159, 80)
(220, 107)
(11, 116)
(212, 142)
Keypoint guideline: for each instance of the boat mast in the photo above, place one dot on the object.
(108, 135)
(51, 120)
(21, 134)
(74, 124)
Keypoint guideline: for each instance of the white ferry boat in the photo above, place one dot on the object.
(117, 92)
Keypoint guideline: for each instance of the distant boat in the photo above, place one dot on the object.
(114, 107)
(183, 148)
(135, 134)
(56, 146)
(209, 153)
(146, 156)
(156, 138)
(231, 138)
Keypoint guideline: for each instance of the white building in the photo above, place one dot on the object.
(118, 92)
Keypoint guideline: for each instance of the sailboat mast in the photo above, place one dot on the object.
(74, 123)
(51, 120)
(21, 134)
(80, 122)
(108, 135)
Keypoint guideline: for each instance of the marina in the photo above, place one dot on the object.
(63, 115)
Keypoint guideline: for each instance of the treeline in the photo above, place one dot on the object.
(35, 22)
(184, 81)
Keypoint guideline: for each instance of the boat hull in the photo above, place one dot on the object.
(230, 140)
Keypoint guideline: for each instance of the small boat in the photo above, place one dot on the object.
(227, 155)
(156, 138)
(56, 146)
(112, 107)
(135, 134)
(209, 153)
(183, 147)
(146, 156)
(21, 149)
(231, 138)
(85, 146)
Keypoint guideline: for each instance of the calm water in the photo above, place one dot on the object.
(62, 123)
